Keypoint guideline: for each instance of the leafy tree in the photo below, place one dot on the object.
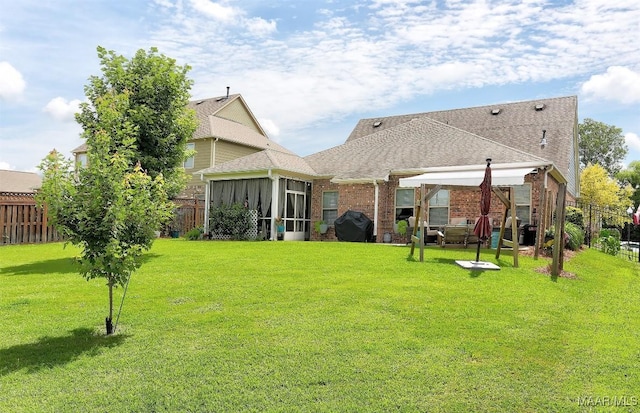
(601, 144)
(111, 208)
(631, 176)
(597, 188)
(158, 94)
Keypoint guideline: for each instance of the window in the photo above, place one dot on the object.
(405, 202)
(189, 162)
(523, 202)
(329, 207)
(82, 160)
(439, 208)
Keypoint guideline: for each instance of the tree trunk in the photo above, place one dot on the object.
(108, 320)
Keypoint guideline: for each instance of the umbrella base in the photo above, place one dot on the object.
(477, 265)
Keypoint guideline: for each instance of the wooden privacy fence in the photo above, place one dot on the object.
(22, 222)
(189, 214)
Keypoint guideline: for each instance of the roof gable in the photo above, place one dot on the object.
(231, 107)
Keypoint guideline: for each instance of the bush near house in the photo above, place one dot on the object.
(233, 221)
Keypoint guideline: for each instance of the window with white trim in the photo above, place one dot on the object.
(405, 203)
(329, 207)
(439, 208)
(523, 202)
(189, 162)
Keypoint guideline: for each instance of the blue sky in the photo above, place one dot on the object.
(310, 69)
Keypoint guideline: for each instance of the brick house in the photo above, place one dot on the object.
(235, 161)
(363, 173)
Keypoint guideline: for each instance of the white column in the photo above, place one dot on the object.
(207, 200)
(275, 194)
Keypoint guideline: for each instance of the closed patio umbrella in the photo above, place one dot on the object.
(483, 228)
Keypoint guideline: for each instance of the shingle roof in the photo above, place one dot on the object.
(211, 126)
(235, 132)
(411, 145)
(19, 182)
(262, 161)
(517, 125)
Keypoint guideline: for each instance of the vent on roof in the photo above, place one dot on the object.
(540, 106)
(377, 123)
(220, 99)
(495, 111)
(199, 102)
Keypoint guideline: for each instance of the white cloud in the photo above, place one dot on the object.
(633, 141)
(618, 83)
(62, 110)
(260, 27)
(12, 84)
(270, 127)
(6, 166)
(215, 10)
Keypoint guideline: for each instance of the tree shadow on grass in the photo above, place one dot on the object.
(49, 352)
(58, 265)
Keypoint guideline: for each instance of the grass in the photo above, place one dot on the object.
(312, 326)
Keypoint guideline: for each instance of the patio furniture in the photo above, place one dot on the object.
(456, 235)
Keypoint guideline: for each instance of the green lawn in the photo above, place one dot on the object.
(313, 326)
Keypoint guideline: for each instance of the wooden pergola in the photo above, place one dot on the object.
(504, 178)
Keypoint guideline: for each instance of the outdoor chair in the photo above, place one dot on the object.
(460, 233)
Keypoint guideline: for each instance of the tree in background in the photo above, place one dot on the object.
(112, 207)
(604, 192)
(631, 176)
(601, 144)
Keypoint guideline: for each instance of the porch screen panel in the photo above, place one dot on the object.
(227, 192)
(253, 193)
(240, 192)
(265, 195)
(215, 188)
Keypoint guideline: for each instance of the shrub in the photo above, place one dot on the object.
(575, 216)
(402, 227)
(610, 241)
(194, 234)
(232, 220)
(575, 237)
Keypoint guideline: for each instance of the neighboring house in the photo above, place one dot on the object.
(20, 220)
(16, 185)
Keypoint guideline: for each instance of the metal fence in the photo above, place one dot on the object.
(601, 221)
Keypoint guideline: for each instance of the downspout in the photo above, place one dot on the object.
(375, 208)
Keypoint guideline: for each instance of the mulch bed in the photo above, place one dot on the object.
(568, 254)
